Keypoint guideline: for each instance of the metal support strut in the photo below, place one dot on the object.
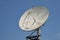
(34, 37)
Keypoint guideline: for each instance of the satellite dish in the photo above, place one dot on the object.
(33, 18)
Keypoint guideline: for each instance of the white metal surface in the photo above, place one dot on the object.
(33, 18)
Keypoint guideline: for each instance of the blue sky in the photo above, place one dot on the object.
(11, 11)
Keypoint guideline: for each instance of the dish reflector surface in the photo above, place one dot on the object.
(33, 18)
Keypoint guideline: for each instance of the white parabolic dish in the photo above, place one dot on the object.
(33, 18)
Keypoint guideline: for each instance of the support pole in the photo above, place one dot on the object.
(34, 37)
(38, 34)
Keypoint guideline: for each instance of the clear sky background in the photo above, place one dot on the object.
(11, 11)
